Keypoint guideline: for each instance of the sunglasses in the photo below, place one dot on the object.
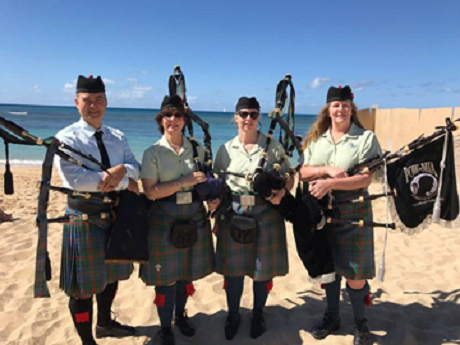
(244, 114)
(176, 115)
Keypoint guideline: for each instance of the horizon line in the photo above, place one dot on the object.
(152, 109)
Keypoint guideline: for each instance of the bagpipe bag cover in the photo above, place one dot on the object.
(415, 179)
(128, 237)
(312, 245)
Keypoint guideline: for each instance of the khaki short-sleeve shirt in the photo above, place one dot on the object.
(162, 163)
(353, 148)
(232, 157)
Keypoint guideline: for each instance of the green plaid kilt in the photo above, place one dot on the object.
(83, 267)
(167, 264)
(263, 259)
(352, 246)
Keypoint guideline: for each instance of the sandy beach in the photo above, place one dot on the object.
(418, 303)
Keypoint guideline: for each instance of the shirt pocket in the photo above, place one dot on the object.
(189, 165)
(350, 153)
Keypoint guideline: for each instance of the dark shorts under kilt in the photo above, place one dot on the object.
(263, 259)
(168, 264)
(352, 246)
(83, 267)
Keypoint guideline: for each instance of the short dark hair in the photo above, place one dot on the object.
(159, 117)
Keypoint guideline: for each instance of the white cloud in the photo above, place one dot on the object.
(135, 92)
(144, 72)
(192, 99)
(108, 81)
(70, 87)
(361, 85)
(318, 82)
(450, 90)
(131, 79)
(36, 89)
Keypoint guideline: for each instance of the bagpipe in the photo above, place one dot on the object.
(419, 176)
(12, 133)
(264, 180)
(419, 182)
(118, 206)
(213, 187)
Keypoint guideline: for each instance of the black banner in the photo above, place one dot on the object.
(415, 180)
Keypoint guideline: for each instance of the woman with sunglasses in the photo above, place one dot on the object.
(336, 142)
(180, 238)
(260, 252)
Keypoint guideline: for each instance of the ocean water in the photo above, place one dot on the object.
(137, 124)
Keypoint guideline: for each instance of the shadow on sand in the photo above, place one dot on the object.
(390, 323)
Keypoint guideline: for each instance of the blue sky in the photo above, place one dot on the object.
(403, 53)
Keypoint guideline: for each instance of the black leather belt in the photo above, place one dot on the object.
(88, 207)
(173, 198)
(249, 200)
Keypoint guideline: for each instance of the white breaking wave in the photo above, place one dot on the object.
(29, 163)
(17, 112)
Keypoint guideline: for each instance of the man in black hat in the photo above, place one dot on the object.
(83, 268)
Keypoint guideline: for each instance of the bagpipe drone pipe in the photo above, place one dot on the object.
(265, 180)
(213, 187)
(125, 209)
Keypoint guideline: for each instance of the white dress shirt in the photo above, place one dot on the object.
(80, 136)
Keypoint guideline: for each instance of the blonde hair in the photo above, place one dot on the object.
(323, 122)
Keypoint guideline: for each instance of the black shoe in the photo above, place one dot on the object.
(258, 326)
(185, 326)
(329, 324)
(115, 330)
(361, 334)
(166, 336)
(231, 326)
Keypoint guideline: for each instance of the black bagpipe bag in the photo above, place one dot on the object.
(128, 236)
(415, 179)
(312, 244)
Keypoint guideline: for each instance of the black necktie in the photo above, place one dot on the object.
(100, 144)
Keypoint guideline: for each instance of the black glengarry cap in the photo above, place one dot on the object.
(172, 102)
(90, 84)
(247, 103)
(339, 94)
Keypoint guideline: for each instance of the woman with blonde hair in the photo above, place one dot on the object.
(337, 142)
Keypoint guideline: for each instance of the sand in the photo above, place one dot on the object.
(418, 303)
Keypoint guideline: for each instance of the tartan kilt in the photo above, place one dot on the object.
(168, 264)
(83, 267)
(353, 247)
(261, 260)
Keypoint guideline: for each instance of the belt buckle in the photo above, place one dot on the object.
(184, 198)
(247, 200)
